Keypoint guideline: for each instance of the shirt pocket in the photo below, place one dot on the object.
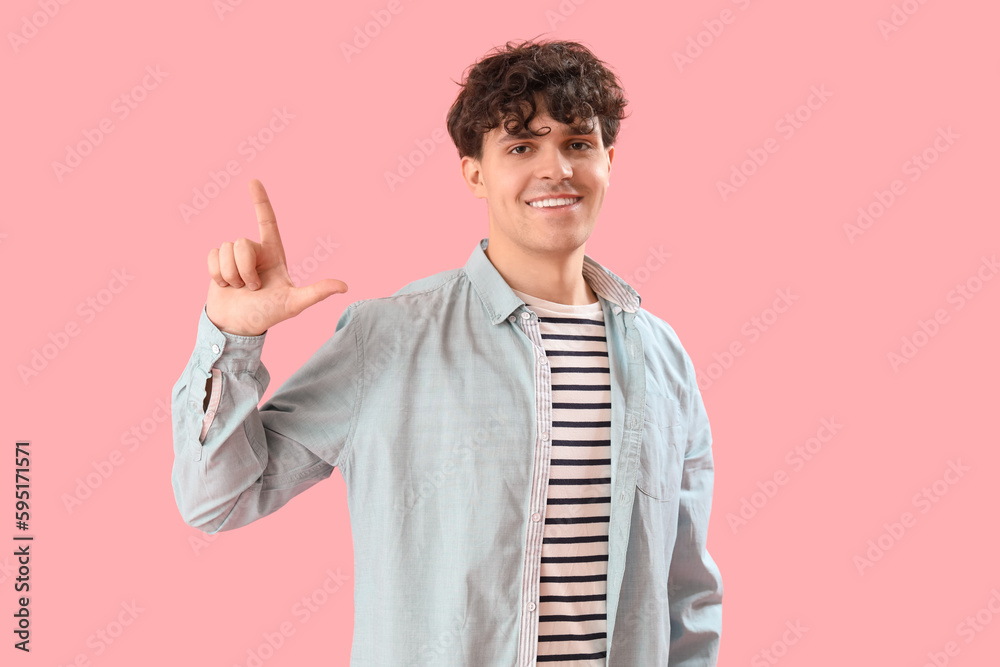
(661, 458)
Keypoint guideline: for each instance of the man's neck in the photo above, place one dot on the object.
(555, 278)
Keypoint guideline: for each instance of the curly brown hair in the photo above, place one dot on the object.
(575, 85)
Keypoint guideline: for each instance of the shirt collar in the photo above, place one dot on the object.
(500, 300)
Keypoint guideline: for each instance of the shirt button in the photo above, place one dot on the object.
(545, 435)
(215, 349)
(531, 606)
(525, 315)
(536, 517)
(511, 318)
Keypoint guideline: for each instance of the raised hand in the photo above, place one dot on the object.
(251, 290)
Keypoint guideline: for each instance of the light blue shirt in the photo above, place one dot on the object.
(435, 405)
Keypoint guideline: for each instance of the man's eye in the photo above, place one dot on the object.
(584, 145)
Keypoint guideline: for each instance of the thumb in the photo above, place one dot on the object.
(303, 297)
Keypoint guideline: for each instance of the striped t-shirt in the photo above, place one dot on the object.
(572, 613)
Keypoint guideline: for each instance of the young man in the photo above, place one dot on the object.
(527, 456)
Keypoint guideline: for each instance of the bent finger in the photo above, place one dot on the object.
(227, 264)
(213, 267)
(245, 254)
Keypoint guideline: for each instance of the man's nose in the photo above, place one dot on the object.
(555, 164)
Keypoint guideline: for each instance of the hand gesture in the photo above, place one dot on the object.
(250, 290)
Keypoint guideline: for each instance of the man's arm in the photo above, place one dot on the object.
(694, 584)
(233, 463)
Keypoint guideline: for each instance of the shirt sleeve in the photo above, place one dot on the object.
(235, 463)
(694, 583)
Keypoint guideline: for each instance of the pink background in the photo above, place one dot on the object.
(211, 600)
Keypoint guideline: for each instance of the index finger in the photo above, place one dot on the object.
(268, 224)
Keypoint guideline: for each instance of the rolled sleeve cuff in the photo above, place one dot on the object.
(227, 352)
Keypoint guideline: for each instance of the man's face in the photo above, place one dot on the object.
(519, 170)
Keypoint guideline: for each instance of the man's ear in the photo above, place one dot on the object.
(472, 174)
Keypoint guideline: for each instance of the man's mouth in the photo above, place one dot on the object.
(554, 203)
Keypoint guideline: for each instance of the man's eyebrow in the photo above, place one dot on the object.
(575, 130)
(506, 138)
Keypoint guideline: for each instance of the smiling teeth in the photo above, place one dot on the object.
(544, 203)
